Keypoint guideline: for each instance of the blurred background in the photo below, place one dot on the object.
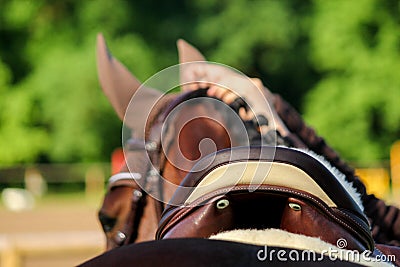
(337, 62)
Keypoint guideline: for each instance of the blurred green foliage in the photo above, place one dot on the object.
(337, 61)
(355, 103)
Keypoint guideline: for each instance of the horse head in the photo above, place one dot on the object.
(185, 157)
(195, 125)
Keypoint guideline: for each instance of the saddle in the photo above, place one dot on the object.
(266, 187)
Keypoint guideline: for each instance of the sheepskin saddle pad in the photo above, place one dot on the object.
(267, 188)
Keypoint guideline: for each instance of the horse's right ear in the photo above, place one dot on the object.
(118, 84)
(188, 53)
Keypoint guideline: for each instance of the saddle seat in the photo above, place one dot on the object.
(266, 187)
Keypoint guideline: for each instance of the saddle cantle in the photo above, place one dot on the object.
(266, 187)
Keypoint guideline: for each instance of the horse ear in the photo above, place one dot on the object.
(118, 84)
(188, 53)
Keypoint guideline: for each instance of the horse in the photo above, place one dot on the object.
(194, 222)
(190, 134)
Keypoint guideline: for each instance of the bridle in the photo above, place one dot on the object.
(143, 182)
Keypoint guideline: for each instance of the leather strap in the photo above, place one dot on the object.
(124, 179)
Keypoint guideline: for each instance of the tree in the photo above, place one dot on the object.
(355, 45)
(341, 57)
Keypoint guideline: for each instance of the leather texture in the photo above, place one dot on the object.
(310, 221)
(267, 206)
(322, 176)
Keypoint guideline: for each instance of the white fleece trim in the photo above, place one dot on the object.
(281, 238)
(338, 174)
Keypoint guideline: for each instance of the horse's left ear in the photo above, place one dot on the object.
(188, 53)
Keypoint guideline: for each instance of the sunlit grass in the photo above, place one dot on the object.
(71, 197)
(65, 200)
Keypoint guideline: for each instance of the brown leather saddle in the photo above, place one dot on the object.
(265, 187)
